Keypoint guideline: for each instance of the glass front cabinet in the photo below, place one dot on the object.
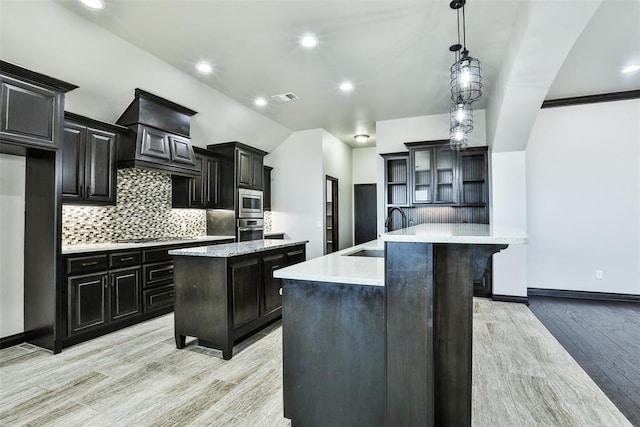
(434, 174)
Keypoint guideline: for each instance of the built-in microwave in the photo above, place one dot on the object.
(249, 203)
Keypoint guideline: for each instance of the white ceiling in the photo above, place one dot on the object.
(395, 52)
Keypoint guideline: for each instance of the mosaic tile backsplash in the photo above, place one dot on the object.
(143, 209)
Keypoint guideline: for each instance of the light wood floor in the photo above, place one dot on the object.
(522, 377)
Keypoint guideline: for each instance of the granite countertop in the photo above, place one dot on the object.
(458, 233)
(228, 250)
(100, 247)
(339, 267)
(272, 233)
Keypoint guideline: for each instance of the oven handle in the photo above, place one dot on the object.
(250, 228)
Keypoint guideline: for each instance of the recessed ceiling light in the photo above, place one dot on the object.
(361, 138)
(631, 68)
(308, 40)
(204, 67)
(346, 86)
(260, 102)
(93, 4)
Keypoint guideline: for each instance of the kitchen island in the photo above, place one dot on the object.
(394, 349)
(224, 293)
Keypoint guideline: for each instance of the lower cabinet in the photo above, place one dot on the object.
(95, 300)
(272, 287)
(106, 291)
(245, 279)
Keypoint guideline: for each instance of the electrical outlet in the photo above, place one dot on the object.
(599, 274)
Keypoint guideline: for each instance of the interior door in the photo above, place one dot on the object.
(365, 212)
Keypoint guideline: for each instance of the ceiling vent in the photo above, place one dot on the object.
(285, 97)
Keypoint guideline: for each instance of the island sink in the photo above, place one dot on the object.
(370, 253)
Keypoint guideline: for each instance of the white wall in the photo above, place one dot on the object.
(509, 208)
(297, 188)
(337, 162)
(45, 37)
(583, 177)
(365, 165)
(12, 194)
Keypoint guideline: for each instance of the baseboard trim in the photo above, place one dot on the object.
(11, 340)
(510, 298)
(599, 296)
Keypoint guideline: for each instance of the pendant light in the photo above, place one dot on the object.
(465, 85)
(466, 80)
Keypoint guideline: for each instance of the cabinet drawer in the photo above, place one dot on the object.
(156, 255)
(124, 259)
(86, 264)
(158, 274)
(158, 298)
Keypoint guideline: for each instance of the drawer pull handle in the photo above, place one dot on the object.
(129, 258)
(88, 264)
(280, 291)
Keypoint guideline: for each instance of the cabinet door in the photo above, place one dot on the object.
(473, 178)
(245, 169)
(445, 167)
(73, 162)
(212, 183)
(31, 115)
(100, 166)
(245, 281)
(181, 150)
(125, 293)
(154, 144)
(257, 171)
(422, 175)
(271, 298)
(196, 197)
(88, 302)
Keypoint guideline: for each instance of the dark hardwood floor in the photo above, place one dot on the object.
(604, 338)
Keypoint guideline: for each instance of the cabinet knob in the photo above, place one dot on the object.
(280, 291)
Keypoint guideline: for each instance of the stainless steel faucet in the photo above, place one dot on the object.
(389, 219)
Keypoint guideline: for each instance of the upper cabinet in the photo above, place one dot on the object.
(431, 174)
(159, 136)
(434, 174)
(31, 109)
(202, 191)
(250, 169)
(88, 161)
(240, 166)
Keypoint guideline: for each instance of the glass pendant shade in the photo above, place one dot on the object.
(457, 139)
(461, 116)
(466, 80)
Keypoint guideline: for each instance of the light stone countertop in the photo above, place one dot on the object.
(228, 250)
(272, 233)
(458, 233)
(338, 267)
(102, 247)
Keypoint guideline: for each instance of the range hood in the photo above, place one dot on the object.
(159, 137)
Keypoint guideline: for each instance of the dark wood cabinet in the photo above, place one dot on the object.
(250, 169)
(125, 293)
(396, 177)
(202, 191)
(245, 281)
(88, 302)
(266, 183)
(31, 109)
(88, 161)
(159, 137)
(223, 300)
(434, 175)
(239, 166)
(107, 291)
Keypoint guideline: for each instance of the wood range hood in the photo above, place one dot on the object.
(159, 138)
